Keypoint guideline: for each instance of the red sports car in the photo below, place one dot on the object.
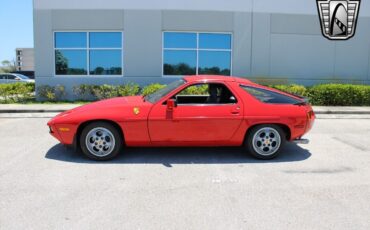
(192, 111)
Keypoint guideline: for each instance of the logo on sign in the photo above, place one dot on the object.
(338, 18)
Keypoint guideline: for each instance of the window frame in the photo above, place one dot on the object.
(87, 49)
(197, 49)
(205, 104)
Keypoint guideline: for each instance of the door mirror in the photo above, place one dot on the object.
(232, 99)
(171, 104)
(17, 79)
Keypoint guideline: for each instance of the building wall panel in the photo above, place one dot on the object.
(87, 19)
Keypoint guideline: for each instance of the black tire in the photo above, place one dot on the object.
(111, 153)
(248, 143)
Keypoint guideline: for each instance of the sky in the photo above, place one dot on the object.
(16, 27)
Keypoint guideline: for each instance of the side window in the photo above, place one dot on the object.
(268, 96)
(11, 77)
(2, 77)
(213, 93)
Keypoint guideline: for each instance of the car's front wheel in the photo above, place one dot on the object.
(100, 141)
(265, 141)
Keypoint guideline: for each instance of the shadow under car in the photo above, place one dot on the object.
(180, 155)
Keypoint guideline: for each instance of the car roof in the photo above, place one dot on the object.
(205, 78)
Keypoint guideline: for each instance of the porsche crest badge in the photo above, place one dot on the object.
(136, 110)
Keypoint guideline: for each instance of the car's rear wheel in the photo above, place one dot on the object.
(100, 141)
(265, 141)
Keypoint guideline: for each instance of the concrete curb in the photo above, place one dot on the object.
(31, 111)
(344, 112)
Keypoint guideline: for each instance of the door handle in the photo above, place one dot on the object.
(235, 110)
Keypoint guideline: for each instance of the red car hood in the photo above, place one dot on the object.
(110, 103)
(100, 109)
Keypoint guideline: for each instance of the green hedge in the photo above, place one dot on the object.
(324, 94)
(331, 94)
(99, 92)
(17, 92)
(340, 95)
(293, 89)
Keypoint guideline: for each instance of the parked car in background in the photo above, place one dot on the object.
(14, 77)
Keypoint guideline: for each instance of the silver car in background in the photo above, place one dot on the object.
(14, 77)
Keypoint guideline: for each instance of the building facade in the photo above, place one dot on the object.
(25, 59)
(145, 41)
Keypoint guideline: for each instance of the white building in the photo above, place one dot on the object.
(145, 41)
(25, 59)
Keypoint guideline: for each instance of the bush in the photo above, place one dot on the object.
(130, 89)
(104, 91)
(83, 92)
(51, 93)
(16, 92)
(299, 90)
(99, 92)
(324, 94)
(340, 95)
(152, 88)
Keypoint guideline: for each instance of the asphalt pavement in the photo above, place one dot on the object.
(322, 185)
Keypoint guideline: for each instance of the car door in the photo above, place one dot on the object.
(199, 122)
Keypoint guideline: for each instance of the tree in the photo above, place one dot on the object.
(7, 66)
(5, 63)
(61, 63)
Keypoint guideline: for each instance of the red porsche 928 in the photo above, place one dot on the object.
(229, 111)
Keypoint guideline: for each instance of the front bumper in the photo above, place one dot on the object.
(64, 133)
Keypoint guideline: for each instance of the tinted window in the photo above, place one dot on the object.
(70, 62)
(180, 40)
(2, 77)
(70, 40)
(21, 76)
(268, 96)
(184, 52)
(212, 93)
(178, 62)
(105, 62)
(214, 62)
(102, 55)
(11, 77)
(214, 41)
(105, 40)
(154, 97)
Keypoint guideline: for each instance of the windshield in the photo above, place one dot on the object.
(154, 97)
(21, 76)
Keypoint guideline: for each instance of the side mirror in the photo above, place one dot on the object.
(17, 79)
(171, 104)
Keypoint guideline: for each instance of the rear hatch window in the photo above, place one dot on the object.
(270, 97)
